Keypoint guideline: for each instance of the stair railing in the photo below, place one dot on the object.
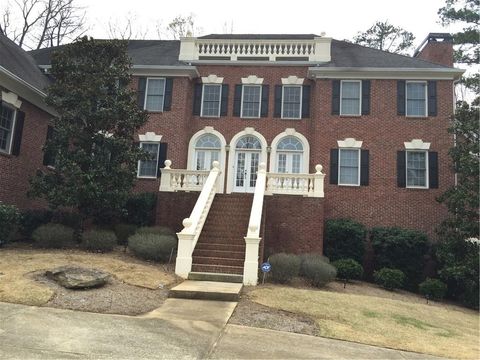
(252, 240)
(193, 225)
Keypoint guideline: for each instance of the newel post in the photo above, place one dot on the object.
(165, 179)
(183, 264)
(318, 182)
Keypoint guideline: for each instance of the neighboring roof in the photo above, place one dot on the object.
(21, 64)
(260, 36)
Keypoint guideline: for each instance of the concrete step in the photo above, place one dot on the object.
(203, 276)
(223, 269)
(206, 290)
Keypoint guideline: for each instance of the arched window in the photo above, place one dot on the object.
(207, 150)
(249, 143)
(289, 155)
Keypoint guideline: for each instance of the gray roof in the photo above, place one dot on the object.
(20, 63)
(344, 54)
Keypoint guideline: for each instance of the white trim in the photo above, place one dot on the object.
(252, 80)
(417, 144)
(12, 131)
(219, 102)
(339, 167)
(426, 98)
(427, 175)
(384, 73)
(158, 154)
(231, 155)
(150, 137)
(360, 97)
(301, 101)
(306, 149)
(146, 93)
(11, 98)
(212, 79)
(349, 143)
(190, 72)
(259, 102)
(292, 80)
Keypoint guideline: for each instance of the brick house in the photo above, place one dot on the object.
(257, 139)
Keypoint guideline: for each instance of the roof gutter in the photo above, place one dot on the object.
(384, 73)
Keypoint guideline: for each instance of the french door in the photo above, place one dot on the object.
(205, 158)
(246, 167)
(289, 163)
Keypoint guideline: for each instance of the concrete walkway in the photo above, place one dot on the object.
(180, 329)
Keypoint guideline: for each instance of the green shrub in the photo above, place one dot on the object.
(140, 209)
(99, 240)
(9, 219)
(159, 230)
(123, 232)
(32, 219)
(433, 289)
(344, 239)
(348, 269)
(151, 246)
(284, 267)
(389, 278)
(401, 249)
(318, 271)
(53, 236)
(304, 257)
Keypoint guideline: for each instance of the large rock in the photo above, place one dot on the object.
(78, 278)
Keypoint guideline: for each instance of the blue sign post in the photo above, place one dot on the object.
(265, 267)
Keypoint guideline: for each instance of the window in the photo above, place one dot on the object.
(291, 102)
(155, 94)
(350, 103)
(416, 96)
(7, 119)
(251, 98)
(207, 150)
(349, 167)
(289, 155)
(417, 174)
(211, 96)
(148, 168)
(249, 142)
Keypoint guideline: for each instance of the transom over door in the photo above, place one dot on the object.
(246, 168)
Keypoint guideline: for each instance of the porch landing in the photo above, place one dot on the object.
(206, 290)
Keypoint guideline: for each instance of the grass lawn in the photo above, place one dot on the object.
(16, 286)
(366, 314)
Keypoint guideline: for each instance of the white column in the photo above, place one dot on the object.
(250, 267)
(183, 264)
(318, 182)
(165, 180)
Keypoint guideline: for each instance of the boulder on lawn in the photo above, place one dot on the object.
(78, 278)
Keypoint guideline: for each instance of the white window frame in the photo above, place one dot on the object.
(146, 93)
(14, 123)
(139, 161)
(426, 98)
(259, 102)
(360, 97)
(301, 101)
(339, 165)
(427, 180)
(219, 103)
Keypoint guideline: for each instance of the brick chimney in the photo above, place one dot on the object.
(436, 48)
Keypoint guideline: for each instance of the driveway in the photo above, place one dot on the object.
(180, 329)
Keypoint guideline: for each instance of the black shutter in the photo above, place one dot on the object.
(306, 101)
(48, 157)
(334, 166)
(335, 97)
(224, 103)
(264, 104)
(433, 170)
(365, 97)
(401, 98)
(432, 98)
(401, 169)
(17, 132)
(142, 86)
(197, 99)
(278, 101)
(364, 167)
(167, 102)
(237, 100)
(162, 156)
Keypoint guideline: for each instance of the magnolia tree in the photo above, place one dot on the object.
(95, 159)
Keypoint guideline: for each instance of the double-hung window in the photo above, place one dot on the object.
(148, 168)
(211, 99)
(351, 95)
(417, 169)
(155, 94)
(251, 100)
(291, 102)
(7, 122)
(416, 98)
(349, 167)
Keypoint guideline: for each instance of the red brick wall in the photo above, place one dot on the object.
(16, 170)
(438, 52)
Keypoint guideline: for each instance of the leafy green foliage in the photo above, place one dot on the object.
(99, 240)
(401, 249)
(433, 289)
(9, 219)
(344, 238)
(387, 37)
(159, 230)
(389, 279)
(318, 271)
(284, 267)
(95, 159)
(54, 236)
(348, 269)
(140, 209)
(123, 232)
(152, 246)
(32, 219)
